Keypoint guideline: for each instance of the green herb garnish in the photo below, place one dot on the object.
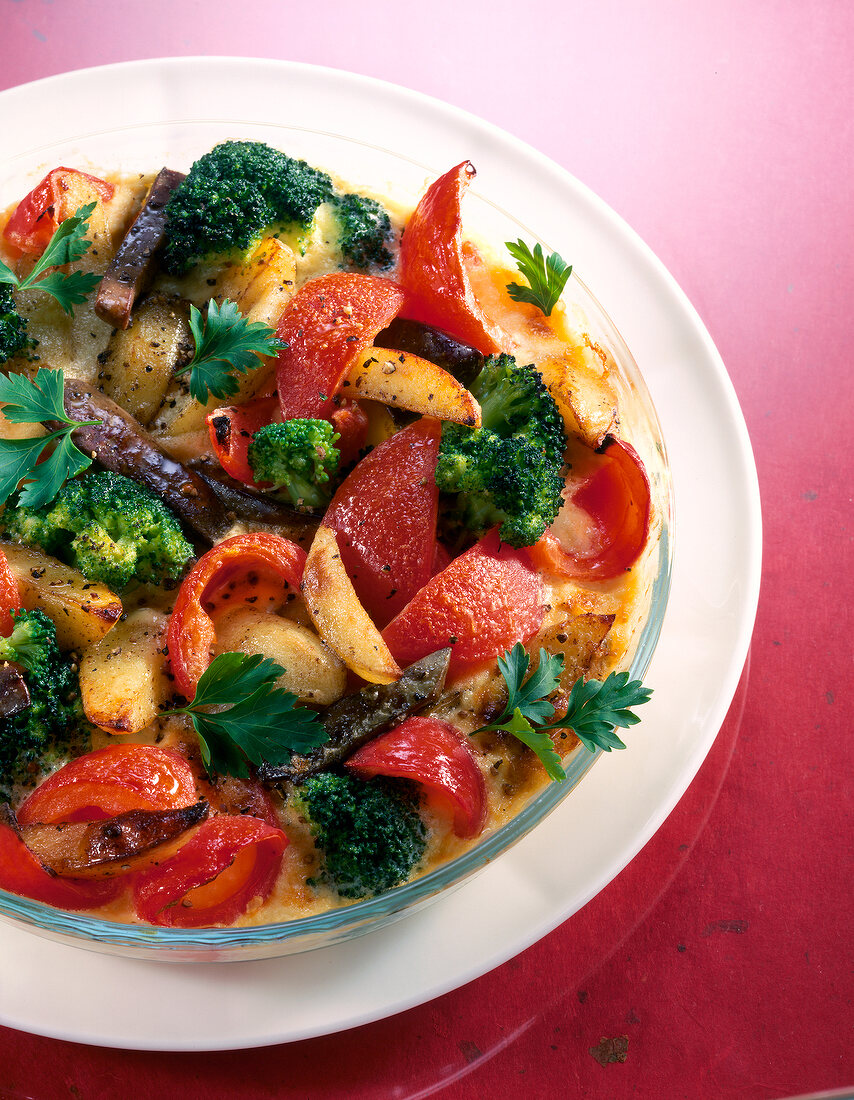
(547, 276)
(259, 723)
(33, 402)
(225, 342)
(68, 244)
(595, 707)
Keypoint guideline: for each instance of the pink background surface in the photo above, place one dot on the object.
(723, 132)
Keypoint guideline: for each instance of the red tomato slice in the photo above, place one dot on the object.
(484, 602)
(384, 516)
(351, 423)
(110, 781)
(432, 267)
(436, 755)
(614, 496)
(10, 598)
(325, 325)
(21, 873)
(191, 631)
(35, 219)
(231, 429)
(226, 864)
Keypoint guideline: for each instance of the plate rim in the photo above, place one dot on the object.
(80, 1031)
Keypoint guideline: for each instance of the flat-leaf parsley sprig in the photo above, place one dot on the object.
(547, 276)
(67, 245)
(258, 722)
(225, 341)
(595, 707)
(35, 401)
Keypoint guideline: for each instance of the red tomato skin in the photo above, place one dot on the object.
(432, 268)
(110, 781)
(159, 892)
(618, 499)
(10, 598)
(231, 429)
(351, 423)
(485, 601)
(436, 755)
(325, 325)
(384, 517)
(191, 631)
(33, 221)
(21, 873)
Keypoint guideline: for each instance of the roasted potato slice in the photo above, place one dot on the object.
(123, 679)
(406, 381)
(312, 672)
(338, 615)
(137, 367)
(82, 610)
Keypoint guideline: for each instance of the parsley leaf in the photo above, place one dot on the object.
(67, 245)
(225, 342)
(260, 722)
(32, 401)
(547, 276)
(595, 707)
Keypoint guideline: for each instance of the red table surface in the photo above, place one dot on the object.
(723, 132)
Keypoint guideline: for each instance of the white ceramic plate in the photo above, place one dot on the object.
(71, 994)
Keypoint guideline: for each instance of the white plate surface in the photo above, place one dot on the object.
(60, 991)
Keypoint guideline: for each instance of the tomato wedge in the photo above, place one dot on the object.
(10, 597)
(108, 782)
(481, 604)
(351, 423)
(432, 267)
(614, 496)
(384, 517)
(229, 862)
(36, 217)
(436, 755)
(325, 325)
(21, 873)
(191, 631)
(231, 429)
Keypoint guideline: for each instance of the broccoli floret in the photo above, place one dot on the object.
(509, 471)
(370, 834)
(38, 737)
(365, 230)
(232, 195)
(13, 327)
(108, 527)
(297, 456)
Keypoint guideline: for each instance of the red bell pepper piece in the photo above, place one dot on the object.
(231, 429)
(35, 219)
(615, 495)
(212, 879)
(484, 602)
(436, 755)
(384, 517)
(325, 325)
(191, 631)
(432, 268)
(10, 597)
(110, 781)
(351, 423)
(21, 873)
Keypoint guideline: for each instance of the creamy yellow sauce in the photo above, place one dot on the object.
(570, 362)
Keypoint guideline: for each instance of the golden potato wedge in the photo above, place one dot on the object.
(410, 382)
(312, 671)
(578, 381)
(339, 617)
(137, 367)
(82, 610)
(578, 638)
(123, 679)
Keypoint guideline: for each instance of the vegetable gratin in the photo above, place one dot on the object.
(324, 541)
